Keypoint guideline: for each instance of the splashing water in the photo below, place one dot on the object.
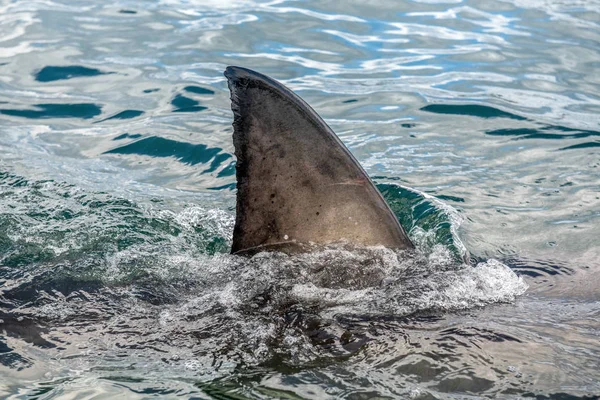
(163, 283)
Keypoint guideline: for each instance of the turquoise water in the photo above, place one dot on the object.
(477, 119)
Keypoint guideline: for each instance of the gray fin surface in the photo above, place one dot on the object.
(298, 185)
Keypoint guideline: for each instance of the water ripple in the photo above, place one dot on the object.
(118, 197)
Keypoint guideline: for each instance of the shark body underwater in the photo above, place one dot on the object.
(298, 186)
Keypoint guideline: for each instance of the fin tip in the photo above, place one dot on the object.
(234, 74)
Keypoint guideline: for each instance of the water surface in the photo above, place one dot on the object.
(477, 119)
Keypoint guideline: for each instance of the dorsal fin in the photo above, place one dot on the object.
(297, 183)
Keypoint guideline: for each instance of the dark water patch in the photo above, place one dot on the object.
(473, 110)
(128, 136)
(408, 125)
(216, 162)
(387, 178)
(25, 329)
(47, 111)
(349, 101)
(22, 253)
(153, 391)
(79, 277)
(524, 132)
(567, 129)
(230, 186)
(4, 347)
(474, 333)
(9, 179)
(14, 361)
(539, 268)
(190, 109)
(61, 280)
(465, 384)
(198, 90)
(185, 104)
(546, 132)
(127, 12)
(123, 379)
(586, 145)
(229, 387)
(180, 101)
(155, 146)
(54, 73)
(450, 198)
(148, 391)
(127, 114)
(227, 171)
(558, 396)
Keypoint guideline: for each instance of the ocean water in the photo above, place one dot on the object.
(478, 120)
